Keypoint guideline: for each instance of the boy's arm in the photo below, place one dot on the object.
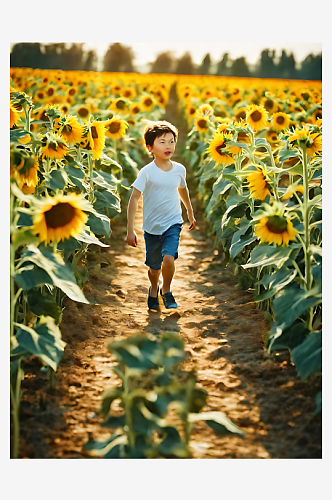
(132, 207)
(184, 195)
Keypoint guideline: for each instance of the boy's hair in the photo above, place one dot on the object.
(157, 129)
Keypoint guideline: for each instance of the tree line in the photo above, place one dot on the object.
(119, 57)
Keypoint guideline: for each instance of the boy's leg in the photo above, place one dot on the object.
(168, 269)
(154, 280)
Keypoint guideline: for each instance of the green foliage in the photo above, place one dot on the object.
(153, 396)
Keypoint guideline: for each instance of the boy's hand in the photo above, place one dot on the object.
(192, 220)
(132, 239)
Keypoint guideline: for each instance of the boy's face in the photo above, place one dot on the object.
(163, 146)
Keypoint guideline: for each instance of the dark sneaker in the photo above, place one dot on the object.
(153, 302)
(169, 301)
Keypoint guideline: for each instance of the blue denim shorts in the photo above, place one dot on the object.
(158, 245)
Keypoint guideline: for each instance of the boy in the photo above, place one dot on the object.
(163, 185)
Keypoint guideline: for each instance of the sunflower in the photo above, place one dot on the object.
(258, 184)
(128, 92)
(83, 111)
(201, 123)
(60, 217)
(270, 105)
(115, 128)
(317, 114)
(316, 146)
(14, 116)
(280, 121)
(119, 105)
(147, 102)
(116, 89)
(94, 138)
(55, 146)
(205, 110)
(71, 91)
(217, 150)
(50, 91)
(23, 186)
(64, 107)
(301, 137)
(256, 116)
(69, 128)
(40, 95)
(26, 171)
(134, 108)
(240, 113)
(274, 227)
(243, 138)
(272, 137)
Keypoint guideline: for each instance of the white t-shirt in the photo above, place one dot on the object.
(161, 200)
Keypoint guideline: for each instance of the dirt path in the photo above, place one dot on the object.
(223, 337)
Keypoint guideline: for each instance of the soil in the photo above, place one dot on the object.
(224, 340)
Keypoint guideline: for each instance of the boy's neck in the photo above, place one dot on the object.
(163, 164)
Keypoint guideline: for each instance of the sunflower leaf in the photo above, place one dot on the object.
(90, 239)
(56, 179)
(44, 341)
(17, 134)
(307, 356)
(264, 255)
(60, 272)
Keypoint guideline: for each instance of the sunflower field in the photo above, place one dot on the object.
(75, 147)
(255, 147)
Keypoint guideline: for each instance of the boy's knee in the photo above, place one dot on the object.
(154, 272)
(168, 260)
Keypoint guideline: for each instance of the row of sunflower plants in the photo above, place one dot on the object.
(67, 176)
(264, 203)
(154, 408)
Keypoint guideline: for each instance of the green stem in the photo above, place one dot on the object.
(91, 194)
(305, 215)
(128, 414)
(47, 169)
(52, 377)
(15, 401)
(27, 118)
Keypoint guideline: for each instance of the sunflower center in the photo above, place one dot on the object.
(72, 92)
(280, 119)
(60, 215)
(220, 148)
(240, 115)
(114, 127)
(83, 112)
(136, 110)
(268, 104)
(318, 115)
(148, 102)
(50, 91)
(127, 93)
(202, 123)
(67, 128)
(120, 104)
(256, 116)
(94, 132)
(276, 224)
